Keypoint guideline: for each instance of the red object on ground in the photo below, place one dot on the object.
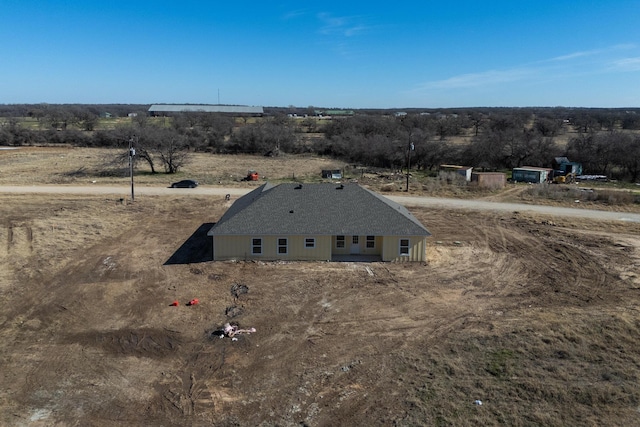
(174, 304)
(194, 301)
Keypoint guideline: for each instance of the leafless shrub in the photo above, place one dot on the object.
(615, 197)
(388, 188)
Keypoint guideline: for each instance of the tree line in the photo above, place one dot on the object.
(606, 141)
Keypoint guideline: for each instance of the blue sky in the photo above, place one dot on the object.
(347, 54)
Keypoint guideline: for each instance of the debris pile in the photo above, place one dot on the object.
(231, 330)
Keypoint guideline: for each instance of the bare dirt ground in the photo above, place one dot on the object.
(537, 318)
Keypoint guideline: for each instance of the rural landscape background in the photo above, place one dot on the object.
(605, 141)
(533, 315)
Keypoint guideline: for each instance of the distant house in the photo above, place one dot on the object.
(163, 109)
(532, 174)
(446, 171)
(322, 222)
(105, 115)
(334, 113)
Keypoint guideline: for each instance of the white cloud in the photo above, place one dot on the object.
(340, 25)
(564, 68)
(627, 64)
(491, 77)
(294, 14)
(585, 53)
(575, 55)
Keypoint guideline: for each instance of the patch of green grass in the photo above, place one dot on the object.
(500, 363)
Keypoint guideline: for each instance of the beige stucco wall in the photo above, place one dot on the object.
(239, 247)
(417, 249)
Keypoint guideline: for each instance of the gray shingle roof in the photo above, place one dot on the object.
(317, 209)
(179, 108)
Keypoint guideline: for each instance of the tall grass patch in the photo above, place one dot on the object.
(573, 193)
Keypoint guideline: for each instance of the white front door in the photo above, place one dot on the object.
(355, 245)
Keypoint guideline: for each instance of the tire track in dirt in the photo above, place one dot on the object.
(194, 388)
(19, 239)
(569, 270)
(5, 241)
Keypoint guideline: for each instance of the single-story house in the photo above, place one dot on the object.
(318, 222)
(532, 174)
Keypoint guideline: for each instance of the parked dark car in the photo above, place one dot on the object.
(185, 183)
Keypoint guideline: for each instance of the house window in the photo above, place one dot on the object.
(371, 242)
(310, 242)
(339, 241)
(404, 247)
(256, 246)
(282, 246)
(355, 240)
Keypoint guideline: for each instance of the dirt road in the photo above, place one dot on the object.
(125, 191)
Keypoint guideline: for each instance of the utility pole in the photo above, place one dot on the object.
(132, 152)
(411, 148)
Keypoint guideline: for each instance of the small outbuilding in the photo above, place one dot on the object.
(491, 180)
(318, 222)
(332, 173)
(448, 171)
(532, 174)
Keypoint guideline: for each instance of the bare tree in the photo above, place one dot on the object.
(172, 149)
(629, 157)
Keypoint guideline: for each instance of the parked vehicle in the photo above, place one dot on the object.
(185, 183)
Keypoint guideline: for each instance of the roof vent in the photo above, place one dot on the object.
(340, 187)
(291, 211)
(297, 187)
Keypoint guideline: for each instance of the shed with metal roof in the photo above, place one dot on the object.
(531, 174)
(318, 222)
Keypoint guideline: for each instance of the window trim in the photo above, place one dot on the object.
(407, 247)
(311, 240)
(370, 240)
(341, 239)
(285, 246)
(254, 246)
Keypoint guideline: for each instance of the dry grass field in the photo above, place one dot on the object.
(537, 319)
(69, 165)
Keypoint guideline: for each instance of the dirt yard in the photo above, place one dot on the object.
(536, 319)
